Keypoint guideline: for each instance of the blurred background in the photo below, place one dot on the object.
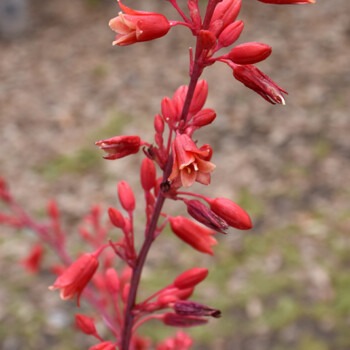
(283, 285)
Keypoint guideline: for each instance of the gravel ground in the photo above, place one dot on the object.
(61, 82)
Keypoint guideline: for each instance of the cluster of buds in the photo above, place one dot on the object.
(173, 163)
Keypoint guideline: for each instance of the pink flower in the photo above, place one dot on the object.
(74, 279)
(119, 146)
(288, 2)
(134, 26)
(190, 163)
(198, 237)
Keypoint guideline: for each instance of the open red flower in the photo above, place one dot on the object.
(120, 146)
(75, 278)
(134, 26)
(190, 162)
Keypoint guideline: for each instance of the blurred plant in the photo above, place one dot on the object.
(172, 161)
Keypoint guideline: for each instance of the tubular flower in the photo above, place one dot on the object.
(74, 279)
(135, 26)
(119, 146)
(190, 163)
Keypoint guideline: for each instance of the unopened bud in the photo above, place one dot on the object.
(116, 217)
(231, 212)
(148, 174)
(85, 324)
(191, 278)
(249, 53)
(126, 196)
(203, 117)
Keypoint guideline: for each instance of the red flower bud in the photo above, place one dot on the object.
(126, 196)
(225, 13)
(85, 324)
(112, 280)
(119, 146)
(249, 53)
(116, 217)
(203, 117)
(158, 124)
(148, 174)
(231, 33)
(231, 212)
(191, 278)
(198, 237)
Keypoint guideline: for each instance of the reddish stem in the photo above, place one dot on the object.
(151, 229)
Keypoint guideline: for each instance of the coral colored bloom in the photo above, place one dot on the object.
(135, 26)
(288, 2)
(198, 237)
(119, 146)
(75, 278)
(190, 163)
(256, 80)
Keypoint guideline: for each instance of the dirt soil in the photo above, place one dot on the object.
(61, 83)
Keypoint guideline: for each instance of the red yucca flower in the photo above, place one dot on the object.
(120, 146)
(74, 279)
(134, 26)
(190, 162)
